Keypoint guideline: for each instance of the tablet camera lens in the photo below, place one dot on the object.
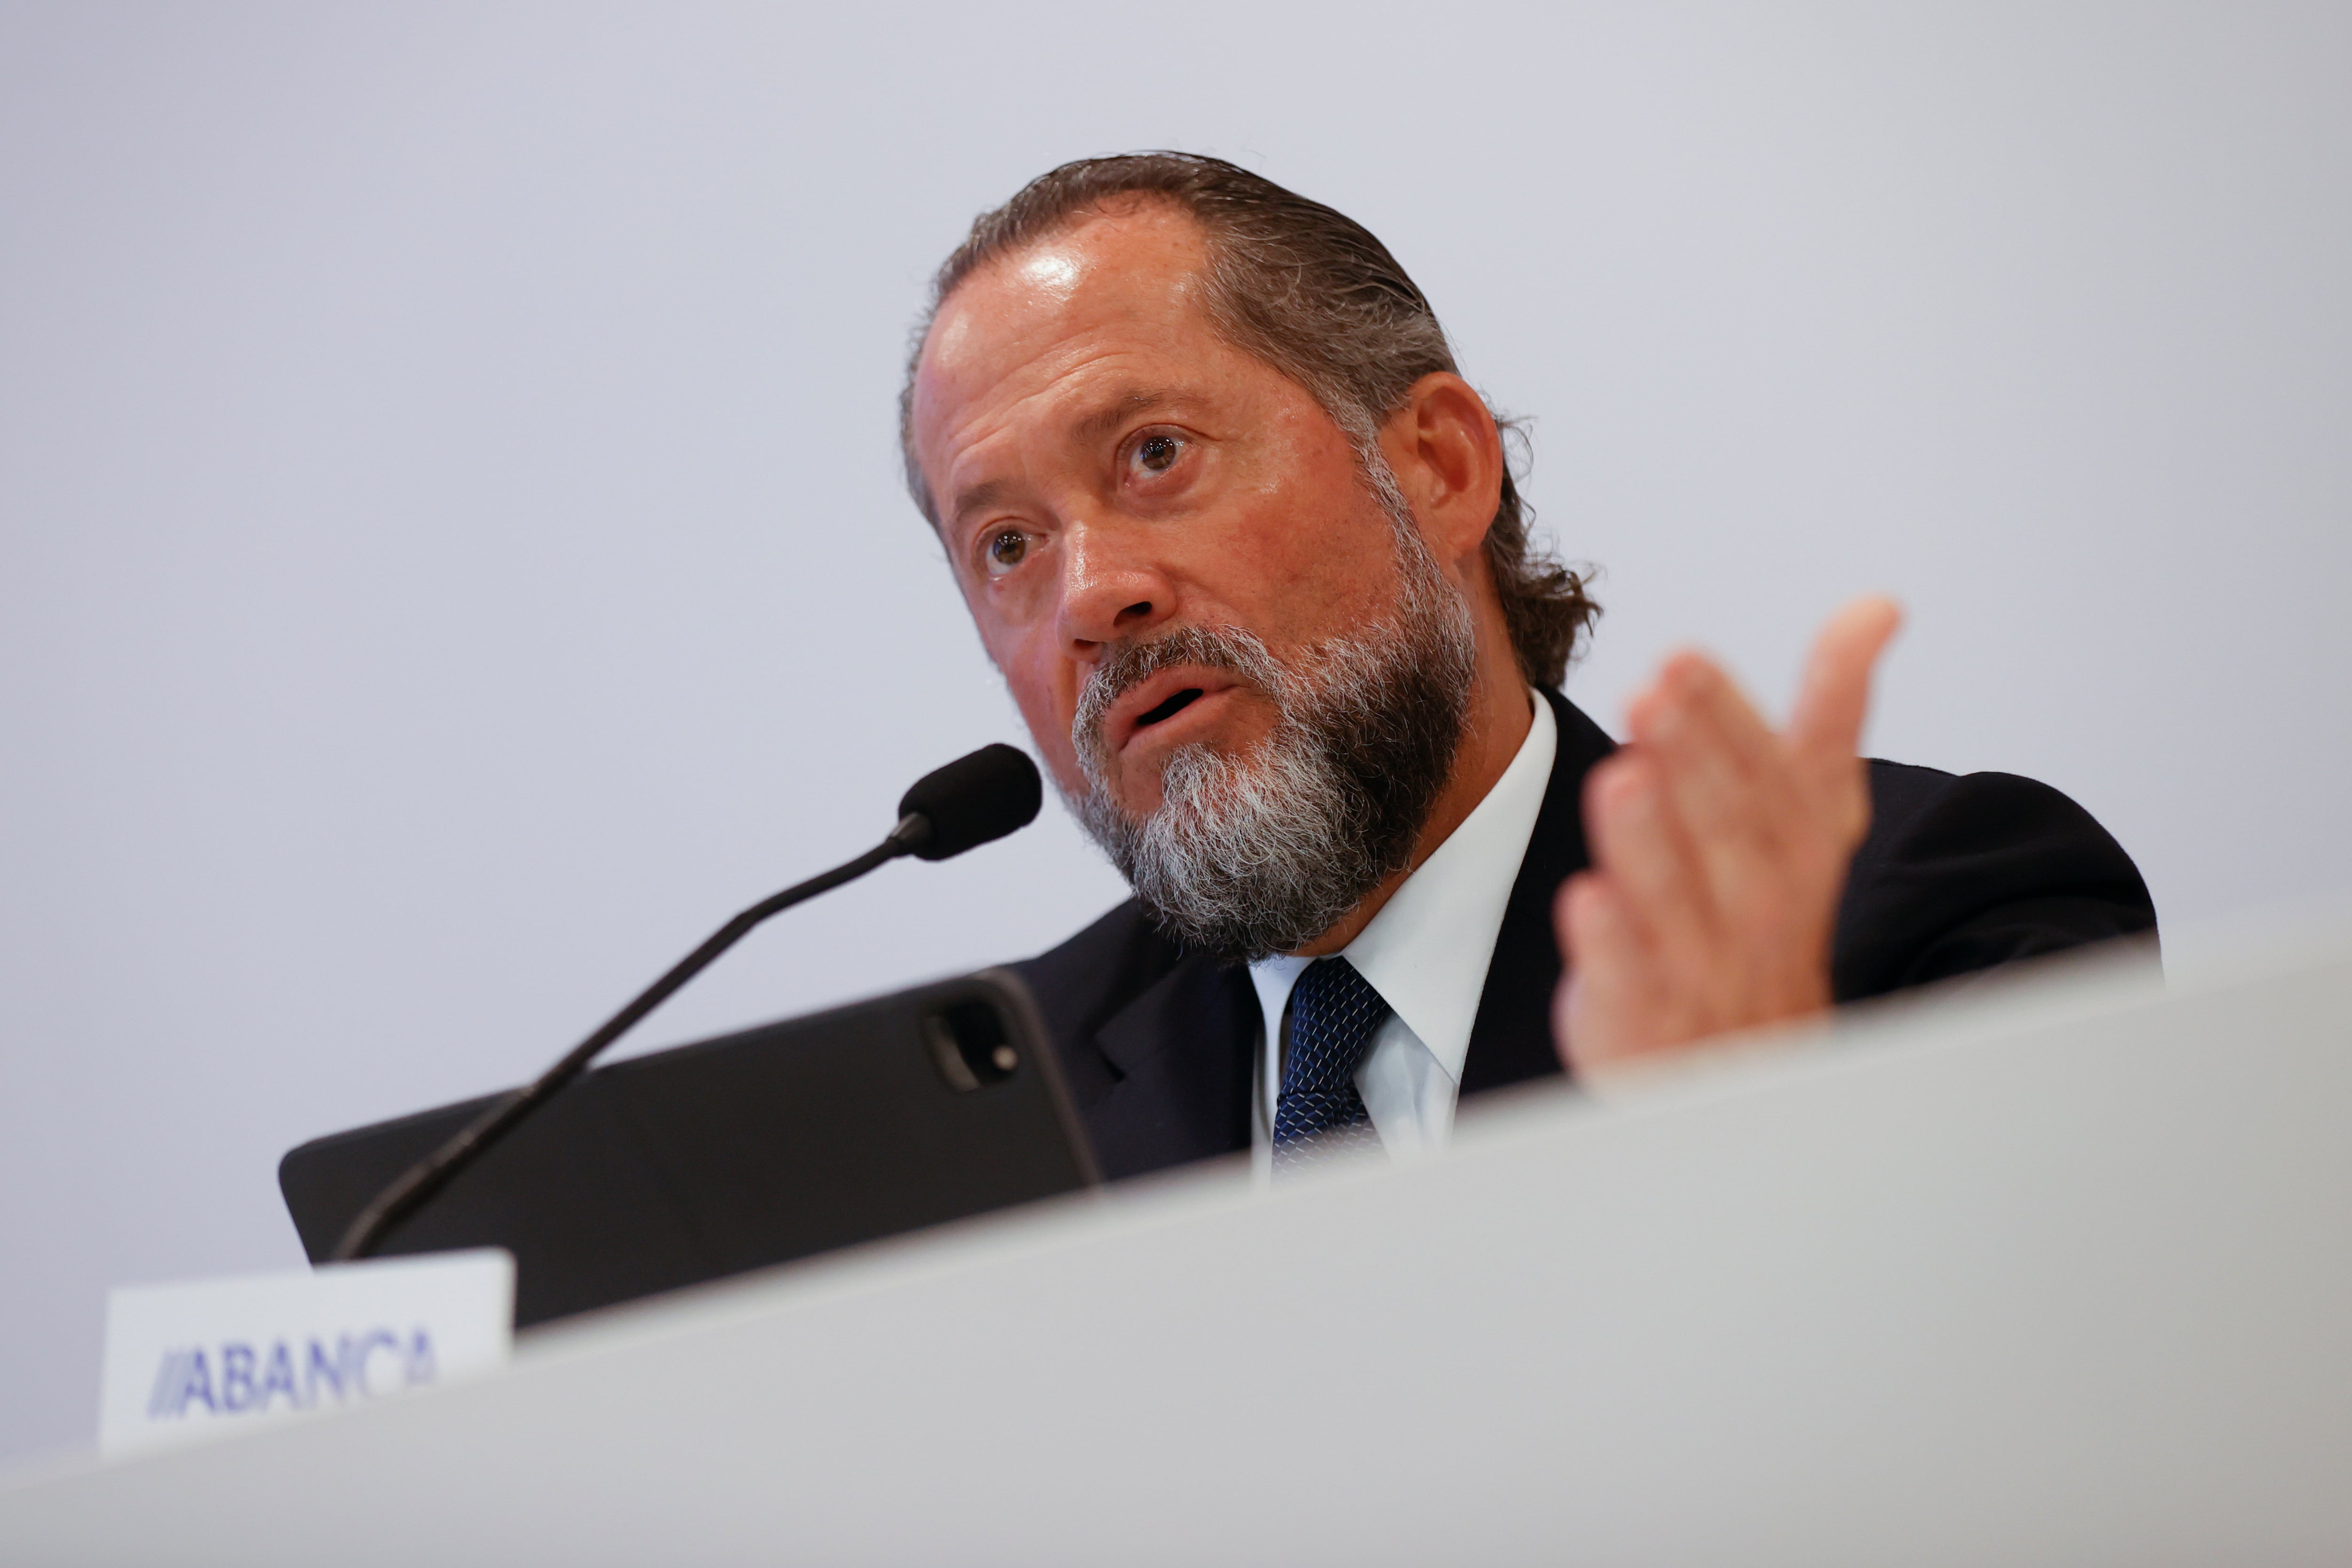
(972, 1045)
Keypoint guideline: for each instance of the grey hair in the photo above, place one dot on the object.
(1312, 293)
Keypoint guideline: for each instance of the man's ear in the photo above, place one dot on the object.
(1448, 458)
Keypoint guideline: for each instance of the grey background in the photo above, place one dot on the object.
(451, 555)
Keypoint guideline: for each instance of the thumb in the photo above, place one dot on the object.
(1834, 697)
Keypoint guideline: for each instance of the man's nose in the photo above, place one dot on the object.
(1110, 591)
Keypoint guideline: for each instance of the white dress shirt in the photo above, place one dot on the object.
(1426, 954)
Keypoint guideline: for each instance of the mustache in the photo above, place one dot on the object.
(1130, 664)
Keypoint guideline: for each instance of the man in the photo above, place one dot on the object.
(1248, 551)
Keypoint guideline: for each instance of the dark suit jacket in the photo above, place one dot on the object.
(1958, 874)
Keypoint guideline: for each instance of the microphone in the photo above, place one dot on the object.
(972, 801)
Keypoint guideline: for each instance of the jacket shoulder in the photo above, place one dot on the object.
(1962, 872)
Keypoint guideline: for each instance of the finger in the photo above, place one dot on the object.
(1638, 839)
(1834, 697)
(1693, 703)
(1727, 777)
(1614, 1005)
(1600, 934)
(1567, 1018)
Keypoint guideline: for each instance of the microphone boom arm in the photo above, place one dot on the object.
(416, 1186)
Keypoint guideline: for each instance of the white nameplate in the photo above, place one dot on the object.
(219, 1356)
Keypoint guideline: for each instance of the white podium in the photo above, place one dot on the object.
(2054, 1270)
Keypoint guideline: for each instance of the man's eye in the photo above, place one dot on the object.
(1006, 551)
(1156, 454)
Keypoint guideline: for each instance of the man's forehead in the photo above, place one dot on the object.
(1135, 257)
(1128, 278)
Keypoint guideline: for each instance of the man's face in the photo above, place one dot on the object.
(1109, 470)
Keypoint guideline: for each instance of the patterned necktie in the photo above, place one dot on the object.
(1334, 1014)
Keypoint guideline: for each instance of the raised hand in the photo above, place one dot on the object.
(1719, 850)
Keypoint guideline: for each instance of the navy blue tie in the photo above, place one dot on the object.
(1334, 1014)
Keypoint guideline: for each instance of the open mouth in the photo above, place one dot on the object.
(1170, 709)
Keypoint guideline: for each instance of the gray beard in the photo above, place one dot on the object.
(1264, 852)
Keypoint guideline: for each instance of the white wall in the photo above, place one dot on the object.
(450, 554)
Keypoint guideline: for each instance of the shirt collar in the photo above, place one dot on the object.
(1427, 950)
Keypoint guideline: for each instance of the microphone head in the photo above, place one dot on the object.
(973, 800)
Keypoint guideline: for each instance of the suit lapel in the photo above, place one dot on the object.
(1511, 1040)
(1182, 1049)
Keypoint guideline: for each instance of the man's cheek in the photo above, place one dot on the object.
(1046, 725)
(1047, 710)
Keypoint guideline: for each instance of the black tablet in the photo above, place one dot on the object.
(690, 1164)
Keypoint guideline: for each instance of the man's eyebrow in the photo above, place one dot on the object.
(1112, 414)
(986, 493)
